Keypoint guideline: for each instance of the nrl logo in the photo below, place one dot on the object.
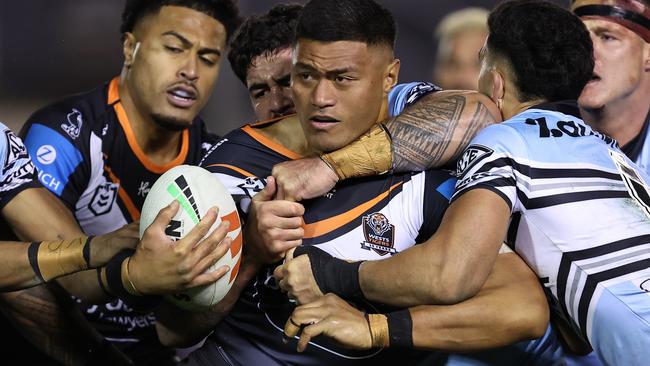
(379, 234)
(471, 156)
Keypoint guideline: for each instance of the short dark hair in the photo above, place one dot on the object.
(225, 11)
(263, 34)
(347, 20)
(548, 49)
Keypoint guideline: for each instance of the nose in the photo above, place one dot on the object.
(323, 94)
(189, 68)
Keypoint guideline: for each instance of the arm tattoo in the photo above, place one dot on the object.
(434, 131)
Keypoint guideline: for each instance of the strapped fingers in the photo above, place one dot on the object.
(310, 332)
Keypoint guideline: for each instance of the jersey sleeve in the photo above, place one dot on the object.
(439, 187)
(59, 148)
(405, 95)
(17, 173)
(495, 160)
(223, 160)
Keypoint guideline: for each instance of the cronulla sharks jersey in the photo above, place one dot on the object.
(580, 219)
(17, 172)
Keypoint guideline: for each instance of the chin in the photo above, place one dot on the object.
(172, 123)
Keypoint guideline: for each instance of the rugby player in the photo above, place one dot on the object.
(521, 179)
(406, 207)
(617, 99)
(101, 151)
(34, 213)
(260, 55)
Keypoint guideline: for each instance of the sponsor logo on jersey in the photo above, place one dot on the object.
(379, 234)
(472, 155)
(55, 175)
(144, 189)
(73, 126)
(103, 199)
(419, 91)
(46, 154)
(15, 150)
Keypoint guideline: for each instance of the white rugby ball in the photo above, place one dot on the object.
(197, 190)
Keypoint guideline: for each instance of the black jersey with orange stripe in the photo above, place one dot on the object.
(86, 153)
(361, 219)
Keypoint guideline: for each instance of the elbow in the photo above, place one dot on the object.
(170, 338)
(451, 292)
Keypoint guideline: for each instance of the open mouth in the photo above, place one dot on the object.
(182, 97)
(323, 119)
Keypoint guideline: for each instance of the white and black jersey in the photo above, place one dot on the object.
(580, 219)
(17, 172)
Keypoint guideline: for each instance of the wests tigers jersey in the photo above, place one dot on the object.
(581, 220)
(86, 154)
(362, 219)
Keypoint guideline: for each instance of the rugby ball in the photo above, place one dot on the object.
(197, 190)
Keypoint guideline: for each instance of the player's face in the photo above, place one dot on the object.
(268, 80)
(461, 67)
(622, 64)
(340, 89)
(175, 66)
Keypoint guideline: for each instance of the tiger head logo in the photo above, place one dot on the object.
(379, 223)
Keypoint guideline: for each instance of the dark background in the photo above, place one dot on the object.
(49, 49)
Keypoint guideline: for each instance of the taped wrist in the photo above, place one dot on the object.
(369, 155)
(51, 259)
(333, 274)
(378, 326)
(115, 279)
(400, 328)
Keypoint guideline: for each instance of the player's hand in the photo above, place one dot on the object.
(332, 317)
(161, 266)
(104, 247)
(295, 277)
(273, 226)
(302, 179)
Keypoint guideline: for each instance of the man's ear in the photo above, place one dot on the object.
(498, 85)
(392, 74)
(129, 48)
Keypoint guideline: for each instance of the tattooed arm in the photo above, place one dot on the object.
(429, 134)
(435, 130)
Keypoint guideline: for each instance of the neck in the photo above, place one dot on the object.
(159, 144)
(289, 133)
(510, 110)
(622, 120)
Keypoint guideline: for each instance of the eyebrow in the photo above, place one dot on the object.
(257, 86)
(188, 44)
(328, 73)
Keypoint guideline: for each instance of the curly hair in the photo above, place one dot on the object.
(547, 48)
(225, 11)
(347, 20)
(261, 35)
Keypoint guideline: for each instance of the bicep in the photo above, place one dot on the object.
(36, 214)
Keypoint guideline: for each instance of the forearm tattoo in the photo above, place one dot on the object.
(423, 135)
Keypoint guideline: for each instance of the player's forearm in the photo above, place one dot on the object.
(429, 134)
(85, 286)
(15, 270)
(509, 308)
(436, 129)
(452, 265)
